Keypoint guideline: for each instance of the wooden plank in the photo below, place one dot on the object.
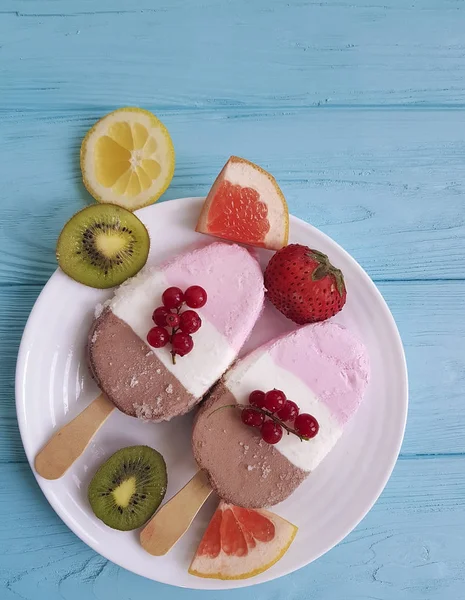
(430, 319)
(389, 189)
(409, 547)
(268, 54)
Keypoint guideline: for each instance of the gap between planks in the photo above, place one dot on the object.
(240, 111)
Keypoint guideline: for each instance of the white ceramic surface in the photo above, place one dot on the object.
(53, 385)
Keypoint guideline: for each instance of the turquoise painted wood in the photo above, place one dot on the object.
(357, 107)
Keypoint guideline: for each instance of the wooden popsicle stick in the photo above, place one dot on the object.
(67, 444)
(174, 518)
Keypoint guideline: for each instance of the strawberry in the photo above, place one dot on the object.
(304, 285)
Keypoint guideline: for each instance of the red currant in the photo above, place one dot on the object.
(274, 400)
(306, 426)
(158, 337)
(257, 398)
(195, 296)
(271, 432)
(289, 411)
(172, 297)
(252, 418)
(159, 316)
(172, 320)
(190, 321)
(182, 343)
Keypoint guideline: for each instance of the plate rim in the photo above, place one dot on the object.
(21, 365)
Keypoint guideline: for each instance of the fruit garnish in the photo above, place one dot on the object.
(272, 412)
(245, 205)
(304, 285)
(159, 316)
(182, 343)
(274, 400)
(173, 320)
(196, 296)
(158, 337)
(271, 432)
(172, 298)
(289, 411)
(189, 321)
(182, 324)
(127, 158)
(252, 417)
(129, 487)
(257, 398)
(102, 246)
(240, 543)
(306, 426)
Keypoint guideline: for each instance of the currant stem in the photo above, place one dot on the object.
(277, 420)
(267, 414)
(173, 331)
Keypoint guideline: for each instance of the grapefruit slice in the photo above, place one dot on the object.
(240, 543)
(245, 205)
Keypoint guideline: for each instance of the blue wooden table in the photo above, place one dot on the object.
(357, 107)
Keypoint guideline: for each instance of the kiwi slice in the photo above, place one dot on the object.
(103, 245)
(129, 487)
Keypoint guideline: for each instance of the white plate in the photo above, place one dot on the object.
(53, 385)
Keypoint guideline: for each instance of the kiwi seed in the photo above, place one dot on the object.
(103, 245)
(129, 487)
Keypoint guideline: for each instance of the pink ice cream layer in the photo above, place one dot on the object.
(331, 361)
(225, 271)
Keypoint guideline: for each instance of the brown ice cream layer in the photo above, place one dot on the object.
(131, 375)
(242, 468)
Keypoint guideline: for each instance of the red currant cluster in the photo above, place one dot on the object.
(182, 324)
(271, 411)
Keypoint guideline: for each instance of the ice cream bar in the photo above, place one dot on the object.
(324, 369)
(143, 381)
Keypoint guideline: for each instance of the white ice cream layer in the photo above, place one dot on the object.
(249, 375)
(134, 303)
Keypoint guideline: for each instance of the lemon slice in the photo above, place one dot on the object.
(127, 158)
